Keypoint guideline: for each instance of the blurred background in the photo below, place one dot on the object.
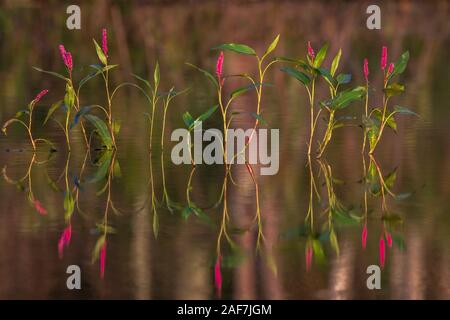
(177, 261)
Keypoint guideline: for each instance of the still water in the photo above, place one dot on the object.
(131, 233)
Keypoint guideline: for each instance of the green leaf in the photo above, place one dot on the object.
(116, 123)
(69, 98)
(102, 228)
(83, 110)
(147, 83)
(238, 48)
(272, 46)
(300, 76)
(206, 73)
(319, 254)
(394, 89)
(320, 56)
(344, 78)
(343, 218)
(117, 172)
(156, 75)
(259, 118)
(208, 113)
(334, 242)
(392, 219)
(243, 90)
(389, 180)
(52, 109)
(188, 119)
(343, 99)
(400, 65)
(398, 240)
(52, 73)
(99, 69)
(378, 114)
(287, 59)
(69, 205)
(100, 53)
(98, 245)
(186, 212)
(21, 113)
(155, 224)
(101, 128)
(103, 166)
(404, 110)
(335, 63)
(327, 76)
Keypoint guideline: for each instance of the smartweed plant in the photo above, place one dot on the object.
(29, 124)
(256, 83)
(308, 74)
(107, 131)
(375, 121)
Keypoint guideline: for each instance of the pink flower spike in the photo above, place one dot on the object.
(311, 53)
(102, 260)
(62, 50)
(40, 208)
(104, 42)
(390, 69)
(219, 66)
(383, 58)
(382, 252)
(69, 62)
(40, 95)
(308, 257)
(389, 239)
(364, 236)
(64, 240)
(218, 276)
(366, 69)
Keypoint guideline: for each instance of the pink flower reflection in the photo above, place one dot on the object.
(64, 240)
(102, 260)
(382, 252)
(308, 257)
(39, 208)
(364, 236)
(218, 276)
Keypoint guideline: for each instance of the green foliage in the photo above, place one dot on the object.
(300, 76)
(102, 130)
(237, 48)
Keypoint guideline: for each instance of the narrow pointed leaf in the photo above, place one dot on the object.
(83, 110)
(300, 76)
(272, 46)
(206, 73)
(394, 89)
(320, 56)
(101, 129)
(335, 63)
(343, 78)
(55, 74)
(52, 109)
(100, 53)
(238, 48)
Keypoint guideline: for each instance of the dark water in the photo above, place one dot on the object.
(154, 252)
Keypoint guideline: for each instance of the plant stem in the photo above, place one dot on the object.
(311, 103)
(106, 78)
(66, 131)
(29, 128)
(328, 134)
